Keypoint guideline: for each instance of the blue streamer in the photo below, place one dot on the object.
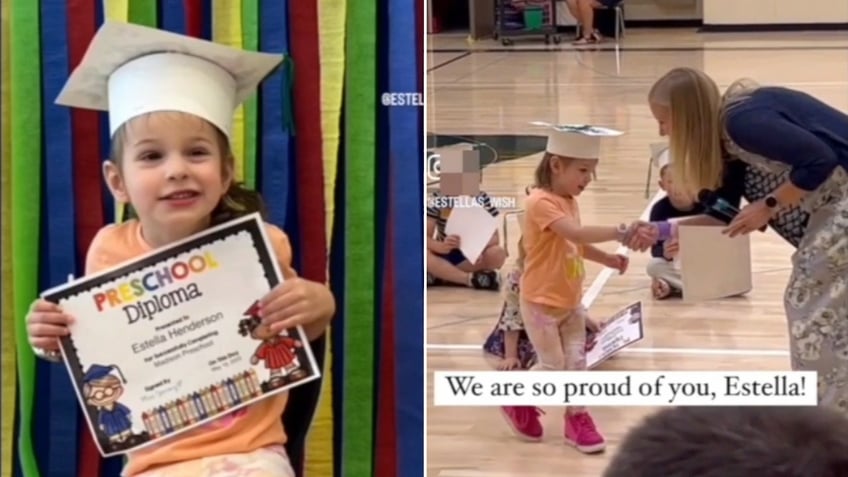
(292, 224)
(405, 139)
(60, 432)
(274, 143)
(337, 284)
(105, 139)
(16, 463)
(207, 20)
(172, 16)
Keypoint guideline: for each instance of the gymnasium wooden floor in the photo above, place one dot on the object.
(494, 90)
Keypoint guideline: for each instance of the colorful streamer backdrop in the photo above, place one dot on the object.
(335, 168)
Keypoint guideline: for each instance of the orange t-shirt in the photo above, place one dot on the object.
(248, 429)
(553, 266)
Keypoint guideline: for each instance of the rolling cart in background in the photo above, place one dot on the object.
(523, 18)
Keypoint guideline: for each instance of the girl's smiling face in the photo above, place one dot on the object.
(170, 167)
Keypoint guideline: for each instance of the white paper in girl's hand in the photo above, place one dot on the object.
(474, 226)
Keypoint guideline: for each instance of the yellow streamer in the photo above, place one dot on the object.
(226, 29)
(8, 361)
(117, 11)
(331, 37)
(319, 444)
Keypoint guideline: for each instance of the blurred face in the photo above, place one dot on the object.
(171, 171)
(678, 199)
(663, 116)
(571, 176)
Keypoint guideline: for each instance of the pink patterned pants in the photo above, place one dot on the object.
(558, 336)
(265, 462)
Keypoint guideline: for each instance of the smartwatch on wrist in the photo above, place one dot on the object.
(621, 231)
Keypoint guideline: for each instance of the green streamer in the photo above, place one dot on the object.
(143, 12)
(360, 287)
(250, 42)
(25, 171)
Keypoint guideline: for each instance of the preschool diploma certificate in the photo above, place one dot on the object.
(618, 332)
(172, 340)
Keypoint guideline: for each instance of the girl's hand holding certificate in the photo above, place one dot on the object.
(298, 302)
(46, 323)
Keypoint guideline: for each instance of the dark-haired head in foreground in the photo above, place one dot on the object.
(735, 442)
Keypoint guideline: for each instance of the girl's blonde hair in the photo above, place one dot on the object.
(543, 175)
(237, 201)
(695, 105)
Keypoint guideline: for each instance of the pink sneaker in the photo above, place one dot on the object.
(580, 432)
(524, 421)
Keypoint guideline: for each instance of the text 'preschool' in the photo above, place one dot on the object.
(625, 388)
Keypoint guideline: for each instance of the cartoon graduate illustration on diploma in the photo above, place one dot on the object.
(102, 389)
(277, 350)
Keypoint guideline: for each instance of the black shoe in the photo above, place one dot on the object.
(486, 280)
(433, 281)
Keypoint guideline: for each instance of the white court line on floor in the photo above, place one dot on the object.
(690, 351)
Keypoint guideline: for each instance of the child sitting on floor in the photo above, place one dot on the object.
(446, 262)
(666, 279)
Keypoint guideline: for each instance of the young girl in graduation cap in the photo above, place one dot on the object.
(171, 101)
(555, 244)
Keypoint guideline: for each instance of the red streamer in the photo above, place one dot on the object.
(305, 50)
(386, 438)
(82, 24)
(193, 17)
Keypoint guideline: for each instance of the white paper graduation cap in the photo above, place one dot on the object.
(130, 70)
(575, 140)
